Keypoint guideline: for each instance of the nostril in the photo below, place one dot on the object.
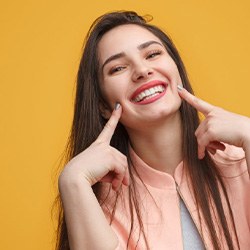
(142, 74)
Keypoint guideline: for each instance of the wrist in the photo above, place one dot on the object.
(246, 136)
(68, 179)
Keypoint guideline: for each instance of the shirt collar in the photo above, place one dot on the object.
(153, 177)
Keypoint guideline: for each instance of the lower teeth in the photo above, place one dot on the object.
(148, 97)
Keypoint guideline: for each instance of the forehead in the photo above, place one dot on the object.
(123, 38)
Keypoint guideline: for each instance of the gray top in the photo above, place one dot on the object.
(191, 238)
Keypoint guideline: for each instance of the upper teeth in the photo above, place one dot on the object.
(149, 92)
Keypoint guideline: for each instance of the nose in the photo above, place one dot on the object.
(141, 72)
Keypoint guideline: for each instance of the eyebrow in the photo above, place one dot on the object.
(122, 54)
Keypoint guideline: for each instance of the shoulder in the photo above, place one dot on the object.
(231, 161)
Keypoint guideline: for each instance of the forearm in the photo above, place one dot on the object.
(86, 223)
(246, 141)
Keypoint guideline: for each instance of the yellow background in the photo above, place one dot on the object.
(40, 48)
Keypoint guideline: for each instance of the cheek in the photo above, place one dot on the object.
(113, 92)
(172, 72)
(168, 66)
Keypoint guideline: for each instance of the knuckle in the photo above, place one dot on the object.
(196, 133)
(123, 169)
(108, 125)
(97, 142)
(216, 111)
(210, 115)
(209, 125)
(212, 124)
(109, 151)
(195, 101)
(211, 132)
(124, 159)
(199, 141)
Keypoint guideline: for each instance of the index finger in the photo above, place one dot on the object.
(109, 128)
(200, 105)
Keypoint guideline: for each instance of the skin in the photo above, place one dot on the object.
(87, 225)
(154, 130)
(136, 68)
(219, 126)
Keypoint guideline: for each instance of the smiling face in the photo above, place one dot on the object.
(137, 71)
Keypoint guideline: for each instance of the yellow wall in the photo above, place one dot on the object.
(40, 48)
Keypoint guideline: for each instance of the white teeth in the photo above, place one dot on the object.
(142, 95)
(149, 93)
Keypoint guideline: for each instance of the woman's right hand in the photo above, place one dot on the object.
(100, 161)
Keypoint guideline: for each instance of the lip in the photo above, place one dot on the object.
(148, 86)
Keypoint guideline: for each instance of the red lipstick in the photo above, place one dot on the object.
(148, 86)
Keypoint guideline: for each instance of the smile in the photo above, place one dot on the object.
(149, 92)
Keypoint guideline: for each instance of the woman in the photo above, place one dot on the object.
(153, 177)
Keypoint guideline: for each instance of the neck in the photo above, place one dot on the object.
(160, 146)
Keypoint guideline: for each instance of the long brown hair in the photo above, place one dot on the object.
(205, 178)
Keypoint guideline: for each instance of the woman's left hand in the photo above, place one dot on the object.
(218, 126)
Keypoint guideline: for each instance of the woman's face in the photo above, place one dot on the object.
(137, 71)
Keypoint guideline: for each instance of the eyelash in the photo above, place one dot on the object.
(154, 53)
(151, 54)
(116, 69)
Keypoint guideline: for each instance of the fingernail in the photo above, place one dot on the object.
(179, 87)
(117, 105)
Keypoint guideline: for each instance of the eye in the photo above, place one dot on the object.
(116, 69)
(153, 54)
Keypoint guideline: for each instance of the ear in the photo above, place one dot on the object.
(105, 110)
